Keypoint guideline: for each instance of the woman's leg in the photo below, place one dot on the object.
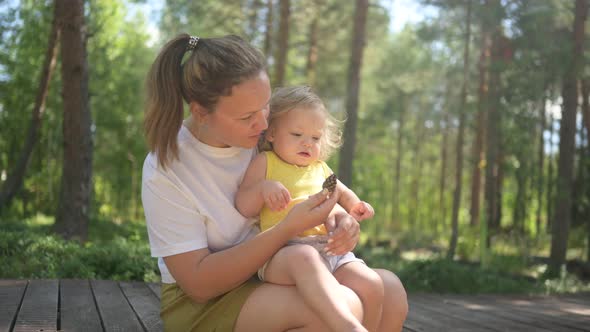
(281, 308)
(302, 266)
(368, 285)
(395, 302)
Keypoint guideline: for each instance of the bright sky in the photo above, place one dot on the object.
(406, 11)
(402, 12)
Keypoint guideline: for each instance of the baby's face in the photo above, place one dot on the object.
(296, 136)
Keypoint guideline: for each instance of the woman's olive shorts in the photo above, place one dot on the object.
(179, 313)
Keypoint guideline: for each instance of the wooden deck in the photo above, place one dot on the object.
(97, 305)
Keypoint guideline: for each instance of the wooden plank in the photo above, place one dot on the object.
(115, 312)
(575, 299)
(431, 320)
(534, 321)
(38, 311)
(77, 307)
(539, 308)
(11, 295)
(145, 304)
(155, 287)
(435, 304)
(407, 329)
(420, 321)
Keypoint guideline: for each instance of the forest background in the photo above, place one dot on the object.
(467, 130)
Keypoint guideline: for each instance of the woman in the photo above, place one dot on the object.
(207, 252)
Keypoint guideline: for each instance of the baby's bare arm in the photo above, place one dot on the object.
(249, 200)
(347, 197)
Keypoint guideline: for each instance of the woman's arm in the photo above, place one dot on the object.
(204, 275)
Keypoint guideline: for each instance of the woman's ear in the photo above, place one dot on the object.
(198, 112)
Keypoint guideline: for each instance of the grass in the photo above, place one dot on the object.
(120, 251)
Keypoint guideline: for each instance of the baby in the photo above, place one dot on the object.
(300, 136)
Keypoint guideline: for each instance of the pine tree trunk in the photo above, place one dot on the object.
(567, 132)
(520, 206)
(398, 163)
(460, 139)
(282, 43)
(76, 185)
(586, 120)
(541, 165)
(268, 30)
(312, 52)
(443, 167)
(586, 105)
(353, 89)
(550, 178)
(499, 185)
(14, 180)
(493, 136)
(414, 202)
(253, 9)
(480, 131)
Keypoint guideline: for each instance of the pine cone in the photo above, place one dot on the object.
(330, 183)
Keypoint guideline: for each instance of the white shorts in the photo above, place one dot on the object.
(332, 262)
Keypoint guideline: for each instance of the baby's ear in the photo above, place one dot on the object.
(269, 134)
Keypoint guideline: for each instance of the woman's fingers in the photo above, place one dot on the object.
(346, 235)
(340, 243)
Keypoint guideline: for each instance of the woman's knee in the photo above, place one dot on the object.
(372, 286)
(396, 298)
(364, 281)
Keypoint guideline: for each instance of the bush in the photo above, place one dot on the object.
(444, 276)
(31, 254)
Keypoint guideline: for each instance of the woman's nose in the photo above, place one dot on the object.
(261, 121)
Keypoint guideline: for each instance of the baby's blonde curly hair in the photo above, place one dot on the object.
(286, 99)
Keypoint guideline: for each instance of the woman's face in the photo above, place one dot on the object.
(240, 118)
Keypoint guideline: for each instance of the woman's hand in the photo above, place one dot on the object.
(345, 234)
(311, 212)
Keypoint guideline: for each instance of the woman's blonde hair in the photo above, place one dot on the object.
(286, 99)
(212, 68)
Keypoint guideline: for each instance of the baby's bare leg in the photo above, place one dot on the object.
(368, 285)
(302, 266)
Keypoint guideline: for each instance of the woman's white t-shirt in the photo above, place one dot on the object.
(190, 204)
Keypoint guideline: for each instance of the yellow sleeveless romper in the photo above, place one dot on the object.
(301, 181)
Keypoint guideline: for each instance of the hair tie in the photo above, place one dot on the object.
(192, 43)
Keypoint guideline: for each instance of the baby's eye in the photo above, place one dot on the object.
(247, 118)
(316, 138)
(296, 134)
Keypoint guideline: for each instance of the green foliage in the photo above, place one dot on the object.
(443, 276)
(29, 251)
(423, 271)
(410, 86)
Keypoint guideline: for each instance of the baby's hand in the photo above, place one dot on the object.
(276, 196)
(361, 211)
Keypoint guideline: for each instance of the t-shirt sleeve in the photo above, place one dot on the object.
(173, 222)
